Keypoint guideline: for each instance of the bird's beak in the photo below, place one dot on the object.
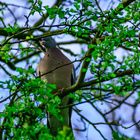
(42, 42)
(42, 45)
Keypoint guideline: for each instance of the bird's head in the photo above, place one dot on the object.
(47, 42)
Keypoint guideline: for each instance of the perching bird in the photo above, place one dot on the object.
(60, 74)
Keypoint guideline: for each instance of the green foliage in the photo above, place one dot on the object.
(12, 29)
(65, 134)
(36, 6)
(23, 118)
(54, 11)
(102, 34)
(117, 136)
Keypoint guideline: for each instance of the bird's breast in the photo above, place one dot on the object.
(56, 71)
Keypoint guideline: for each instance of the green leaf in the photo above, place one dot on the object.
(84, 70)
(12, 29)
(29, 37)
(61, 14)
(77, 5)
(117, 136)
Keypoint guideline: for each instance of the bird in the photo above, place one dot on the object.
(56, 68)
